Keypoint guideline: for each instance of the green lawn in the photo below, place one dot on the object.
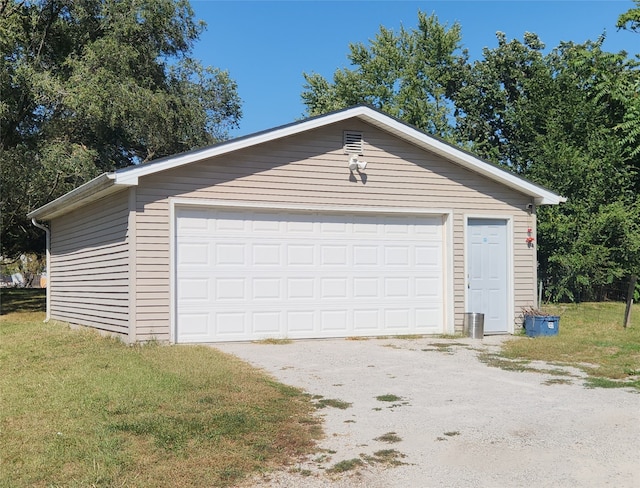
(591, 337)
(78, 409)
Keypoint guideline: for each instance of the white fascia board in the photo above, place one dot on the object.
(541, 196)
(132, 173)
(92, 190)
(110, 182)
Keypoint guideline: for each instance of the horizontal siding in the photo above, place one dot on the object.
(89, 274)
(152, 330)
(311, 169)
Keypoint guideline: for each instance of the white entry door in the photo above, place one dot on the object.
(250, 274)
(487, 273)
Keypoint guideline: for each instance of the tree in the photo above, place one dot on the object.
(557, 120)
(567, 120)
(409, 75)
(500, 103)
(630, 20)
(592, 247)
(89, 86)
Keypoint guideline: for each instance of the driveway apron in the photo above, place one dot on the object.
(457, 421)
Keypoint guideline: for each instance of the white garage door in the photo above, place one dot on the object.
(249, 274)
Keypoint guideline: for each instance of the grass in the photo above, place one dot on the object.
(389, 437)
(332, 402)
(389, 457)
(274, 341)
(591, 338)
(389, 397)
(78, 409)
(22, 299)
(443, 347)
(346, 465)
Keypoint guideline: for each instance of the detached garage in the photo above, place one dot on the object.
(347, 224)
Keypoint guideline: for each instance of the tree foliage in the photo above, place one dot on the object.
(405, 74)
(630, 19)
(89, 86)
(568, 118)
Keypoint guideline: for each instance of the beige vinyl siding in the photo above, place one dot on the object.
(311, 169)
(89, 274)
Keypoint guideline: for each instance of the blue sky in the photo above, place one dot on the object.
(267, 46)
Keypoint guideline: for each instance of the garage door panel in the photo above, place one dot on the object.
(396, 287)
(301, 255)
(298, 225)
(428, 255)
(244, 275)
(230, 289)
(366, 287)
(397, 318)
(300, 321)
(266, 254)
(430, 229)
(429, 320)
(428, 288)
(267, 289)
(366, 226)
(195, 254)
(333, 225)
(300, 288)
(229, 222)
(396, 228)
(195, 327)
(265, 224)
(396, 256)
(334, 288)
(365, 255)
(334, 320)
(366, 320)
(230, 254)
(193, 290)
(332, 255)
(230, 324)
(196, 222)
(267, 323)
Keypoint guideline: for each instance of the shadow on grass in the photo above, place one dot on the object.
(22, 300)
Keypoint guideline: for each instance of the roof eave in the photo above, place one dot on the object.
(92, 190)
(541, 195)
(108, 183)
(127, 175)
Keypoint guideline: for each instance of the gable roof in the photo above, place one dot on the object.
(108, 183)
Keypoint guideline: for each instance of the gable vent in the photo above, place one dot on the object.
(353, 143)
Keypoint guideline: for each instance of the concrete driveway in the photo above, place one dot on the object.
(457, 422)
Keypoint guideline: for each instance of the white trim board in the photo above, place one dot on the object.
(448, 311)
(109, 182)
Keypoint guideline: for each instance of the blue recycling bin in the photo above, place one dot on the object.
(541, 325)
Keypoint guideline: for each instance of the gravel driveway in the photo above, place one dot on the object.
(458, 422)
